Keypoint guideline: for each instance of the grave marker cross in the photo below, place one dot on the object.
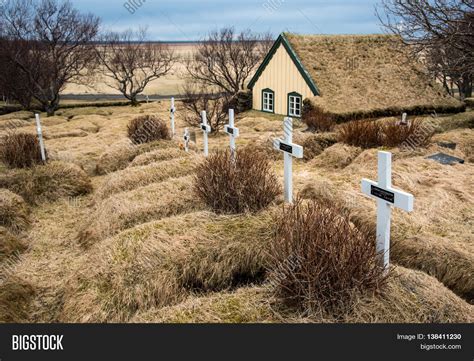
(186, 139)
(40, 137)
(290, 151)
(387, 197)
(232, 131)
(206, 129)
(172, 111)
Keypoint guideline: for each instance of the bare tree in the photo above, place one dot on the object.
(439, 31)
(197, 98)
(226, 59)
(46, 45)
(132, 62)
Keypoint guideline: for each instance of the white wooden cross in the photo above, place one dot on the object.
(232, 131)
(40, 137)
(206, 129)
(386, 197)
(186, 139)
(290, 150)
(172, 111)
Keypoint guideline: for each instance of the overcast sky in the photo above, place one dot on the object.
(192, 19)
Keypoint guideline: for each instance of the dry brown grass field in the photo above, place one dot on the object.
(171, 84)
(131, 243)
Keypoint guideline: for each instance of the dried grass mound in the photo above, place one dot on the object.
(147, 128)
(412, 297)
(136, 177)
(337, 156)
(20, 150)
(160, 263)
(47, 183)
(157, 155)
(320, 260)
(236, 183)
(128, 209)
(245, 305)
(116, 157)
(15, 300)
(10, 244)
(447, 260)
(14, 212)
(315, 144)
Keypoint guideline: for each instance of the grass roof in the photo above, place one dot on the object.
(371, 74)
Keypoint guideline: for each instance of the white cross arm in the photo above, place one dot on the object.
(392, 196)
(232, 131)
(205, 128)
(292, 149)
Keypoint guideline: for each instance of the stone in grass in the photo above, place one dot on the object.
(445, 159)
(449, 145)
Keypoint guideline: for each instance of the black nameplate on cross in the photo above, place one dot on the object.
(286, 148)
(382, 194)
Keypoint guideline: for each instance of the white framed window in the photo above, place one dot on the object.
(295, 103)
(268, 100)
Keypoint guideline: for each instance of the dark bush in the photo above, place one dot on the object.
(316, 119)
(147, 128)
(235, 186)
(361, 133)
(415, 134)
(372, 133)
(20, 150)
(320, 260)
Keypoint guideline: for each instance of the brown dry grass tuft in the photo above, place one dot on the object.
(160, 263)
(14, 212)
(337, 156)
(146, 129)
(157, 155)
(449, 261)
(320, 260)
(412, 297)
(245, 305)
(47, 182)
(144, 204)
(360, 133)
(372, 133)
(244, 184)
(10, 244)
(409, 297)
(16, 296)
(317, 119)
(20, 150)
(315, 144)
(135, 177)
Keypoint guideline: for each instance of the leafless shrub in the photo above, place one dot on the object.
(361, 133)
(147, 128)
(372, 133)
(320, 260)
(227, 185)
(317, 119)
(20, 150)
(415, 132)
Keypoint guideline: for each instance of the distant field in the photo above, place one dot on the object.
(171, 84)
